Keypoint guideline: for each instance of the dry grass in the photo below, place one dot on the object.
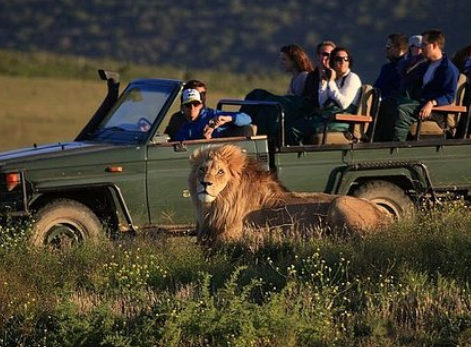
(44, 110)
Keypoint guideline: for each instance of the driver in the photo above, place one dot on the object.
(209, 123)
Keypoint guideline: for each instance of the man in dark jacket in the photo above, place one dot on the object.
(389, 79)
(437, 86)
(388, 82)
(178, 118)
(311, 88)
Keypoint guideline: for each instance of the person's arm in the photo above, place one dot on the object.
(450, 84)
(346, 94)
(219, 119)
(241, 119)
(237, 118)
(323, 92)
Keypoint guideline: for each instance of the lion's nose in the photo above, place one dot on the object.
(206, 184)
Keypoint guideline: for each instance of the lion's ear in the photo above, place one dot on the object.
(195, 157)
(235, 157)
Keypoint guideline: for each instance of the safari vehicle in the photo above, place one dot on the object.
(123, 174)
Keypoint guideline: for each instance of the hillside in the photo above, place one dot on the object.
(231, 35)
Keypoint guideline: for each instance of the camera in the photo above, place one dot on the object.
(327, 74)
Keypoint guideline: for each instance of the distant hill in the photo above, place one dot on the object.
(227, 35)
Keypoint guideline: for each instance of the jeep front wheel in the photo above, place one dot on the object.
(388, 197)
(65, 223)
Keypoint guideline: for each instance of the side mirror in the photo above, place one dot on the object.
(160, 138)
(111, 76)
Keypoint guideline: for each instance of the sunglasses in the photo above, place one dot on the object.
(340, 59)
(192, 104)
(324, 54)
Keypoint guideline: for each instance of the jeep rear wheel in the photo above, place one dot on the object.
(65, 223)
(388, 197)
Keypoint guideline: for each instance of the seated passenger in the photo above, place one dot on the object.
(462, 60)
(339, 92)
(178, 118)
(388, 79)
(296, 61)
(314, 78)
(388, 82)
(436, 86)
(205, 123)
(409, 67)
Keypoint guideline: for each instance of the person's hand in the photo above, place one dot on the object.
(325, 74)
(333, 75)
(208, 132)
(220, 120)
(426, 110)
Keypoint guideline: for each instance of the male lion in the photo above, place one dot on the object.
(229, 191)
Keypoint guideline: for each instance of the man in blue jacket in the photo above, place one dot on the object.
(436, 86)
(389, 79)
(207, 123)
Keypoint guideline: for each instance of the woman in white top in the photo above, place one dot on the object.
(339, 91)
(295, 60)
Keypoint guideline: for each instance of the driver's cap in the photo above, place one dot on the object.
(191, 95)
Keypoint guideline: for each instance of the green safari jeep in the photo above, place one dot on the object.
(120, 174)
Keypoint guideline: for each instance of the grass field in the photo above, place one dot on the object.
(42, 110)
(408, 287)
(48, 98)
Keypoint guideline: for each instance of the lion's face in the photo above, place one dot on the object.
(213, 170)
(212, 177)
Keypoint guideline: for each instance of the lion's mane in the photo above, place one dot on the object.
(249, 194)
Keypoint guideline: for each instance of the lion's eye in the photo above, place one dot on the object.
(221, 172)
(203, 169)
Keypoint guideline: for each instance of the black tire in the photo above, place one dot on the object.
(65, 223)
(388, 196)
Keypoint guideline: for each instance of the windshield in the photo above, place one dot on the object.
(134, 114)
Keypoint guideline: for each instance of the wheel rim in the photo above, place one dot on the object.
(387, 206)
(65, 234)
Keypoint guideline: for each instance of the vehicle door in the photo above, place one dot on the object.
(168, 168)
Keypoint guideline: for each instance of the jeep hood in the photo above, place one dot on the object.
(50, 151)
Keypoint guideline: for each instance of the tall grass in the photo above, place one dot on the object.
(405, 287)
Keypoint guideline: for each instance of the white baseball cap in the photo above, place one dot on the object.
(191, 95)
(415, 41)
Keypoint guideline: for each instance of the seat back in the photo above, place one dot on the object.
(254, 129)
(368, 106)
(453, 119)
